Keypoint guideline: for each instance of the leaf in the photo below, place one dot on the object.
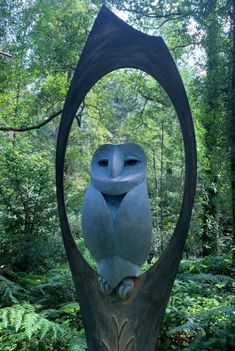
(77, 344)
(29, 324)
(43, 326)
(18, 317)
(71, 307)
(4, 317)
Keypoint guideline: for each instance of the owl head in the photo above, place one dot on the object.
(117, 168)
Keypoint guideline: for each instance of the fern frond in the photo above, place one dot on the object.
(199, 320)
(77, 343)
(50, 313)
(55, 289)
(206, 278)
(212, 278)
(10, 290)
(188, 327)
(55, 330)
(213, 312)
(12, 315)
(17, 316)
(4, 317)
(44, 327)
(22, 326)
(29, 324)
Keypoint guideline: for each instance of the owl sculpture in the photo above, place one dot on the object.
(116, 216)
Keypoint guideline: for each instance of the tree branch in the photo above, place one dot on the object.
(152, 14)
(183, 45)
(78, 116)
(166, 20)
(27, 128)
(5, 54)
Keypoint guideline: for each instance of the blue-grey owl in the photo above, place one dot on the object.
(116, 216)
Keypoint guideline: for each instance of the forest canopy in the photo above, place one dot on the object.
(40, 44)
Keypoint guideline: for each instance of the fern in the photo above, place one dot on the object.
(29, 323)
(44, 327)
(18, 319)
(203, 319)
(223, 312)
(208, 278)
(222, 337)
(23, 325)
(10, 291)
(50, 314)
(56, 289)
(78, 343)
(189, 327)
(4, 318)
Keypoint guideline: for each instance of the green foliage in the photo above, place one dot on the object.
(200, 313)
(9, 291)
(125, 105)
(86, 254)
(28, 208)
(23, 328)
(211, 264)
(40, 310)
(45, 39)
(220, 338)
(41, 313)
(56, 287)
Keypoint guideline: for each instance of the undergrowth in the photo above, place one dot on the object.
(201, 311)
(39, 312)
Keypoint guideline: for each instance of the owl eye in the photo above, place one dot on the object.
(103, 163)
(131, 162)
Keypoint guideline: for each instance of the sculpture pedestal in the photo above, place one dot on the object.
(114, 324)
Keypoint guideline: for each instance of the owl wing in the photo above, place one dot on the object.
(133, 226)
(97, 224)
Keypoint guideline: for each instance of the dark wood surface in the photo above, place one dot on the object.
(110, 323)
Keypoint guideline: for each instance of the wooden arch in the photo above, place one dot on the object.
(110, 323)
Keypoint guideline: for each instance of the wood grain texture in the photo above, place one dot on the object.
(135, 322)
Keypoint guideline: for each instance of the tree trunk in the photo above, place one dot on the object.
(161, 186)
(210, 217)
(155, 213)
(233, 128)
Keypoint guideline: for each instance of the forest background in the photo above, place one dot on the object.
(40, 44)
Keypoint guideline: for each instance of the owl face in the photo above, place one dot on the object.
(117, 168)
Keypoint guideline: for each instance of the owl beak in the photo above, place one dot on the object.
(116, 164)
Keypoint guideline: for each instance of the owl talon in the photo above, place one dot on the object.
(125, 288)
(104, 286)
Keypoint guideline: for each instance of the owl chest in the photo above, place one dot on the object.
(117, 225)
(113, 203)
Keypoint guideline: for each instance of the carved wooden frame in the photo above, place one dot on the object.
(111, 323)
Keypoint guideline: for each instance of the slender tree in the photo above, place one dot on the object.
(233, 126)
(211, 26)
